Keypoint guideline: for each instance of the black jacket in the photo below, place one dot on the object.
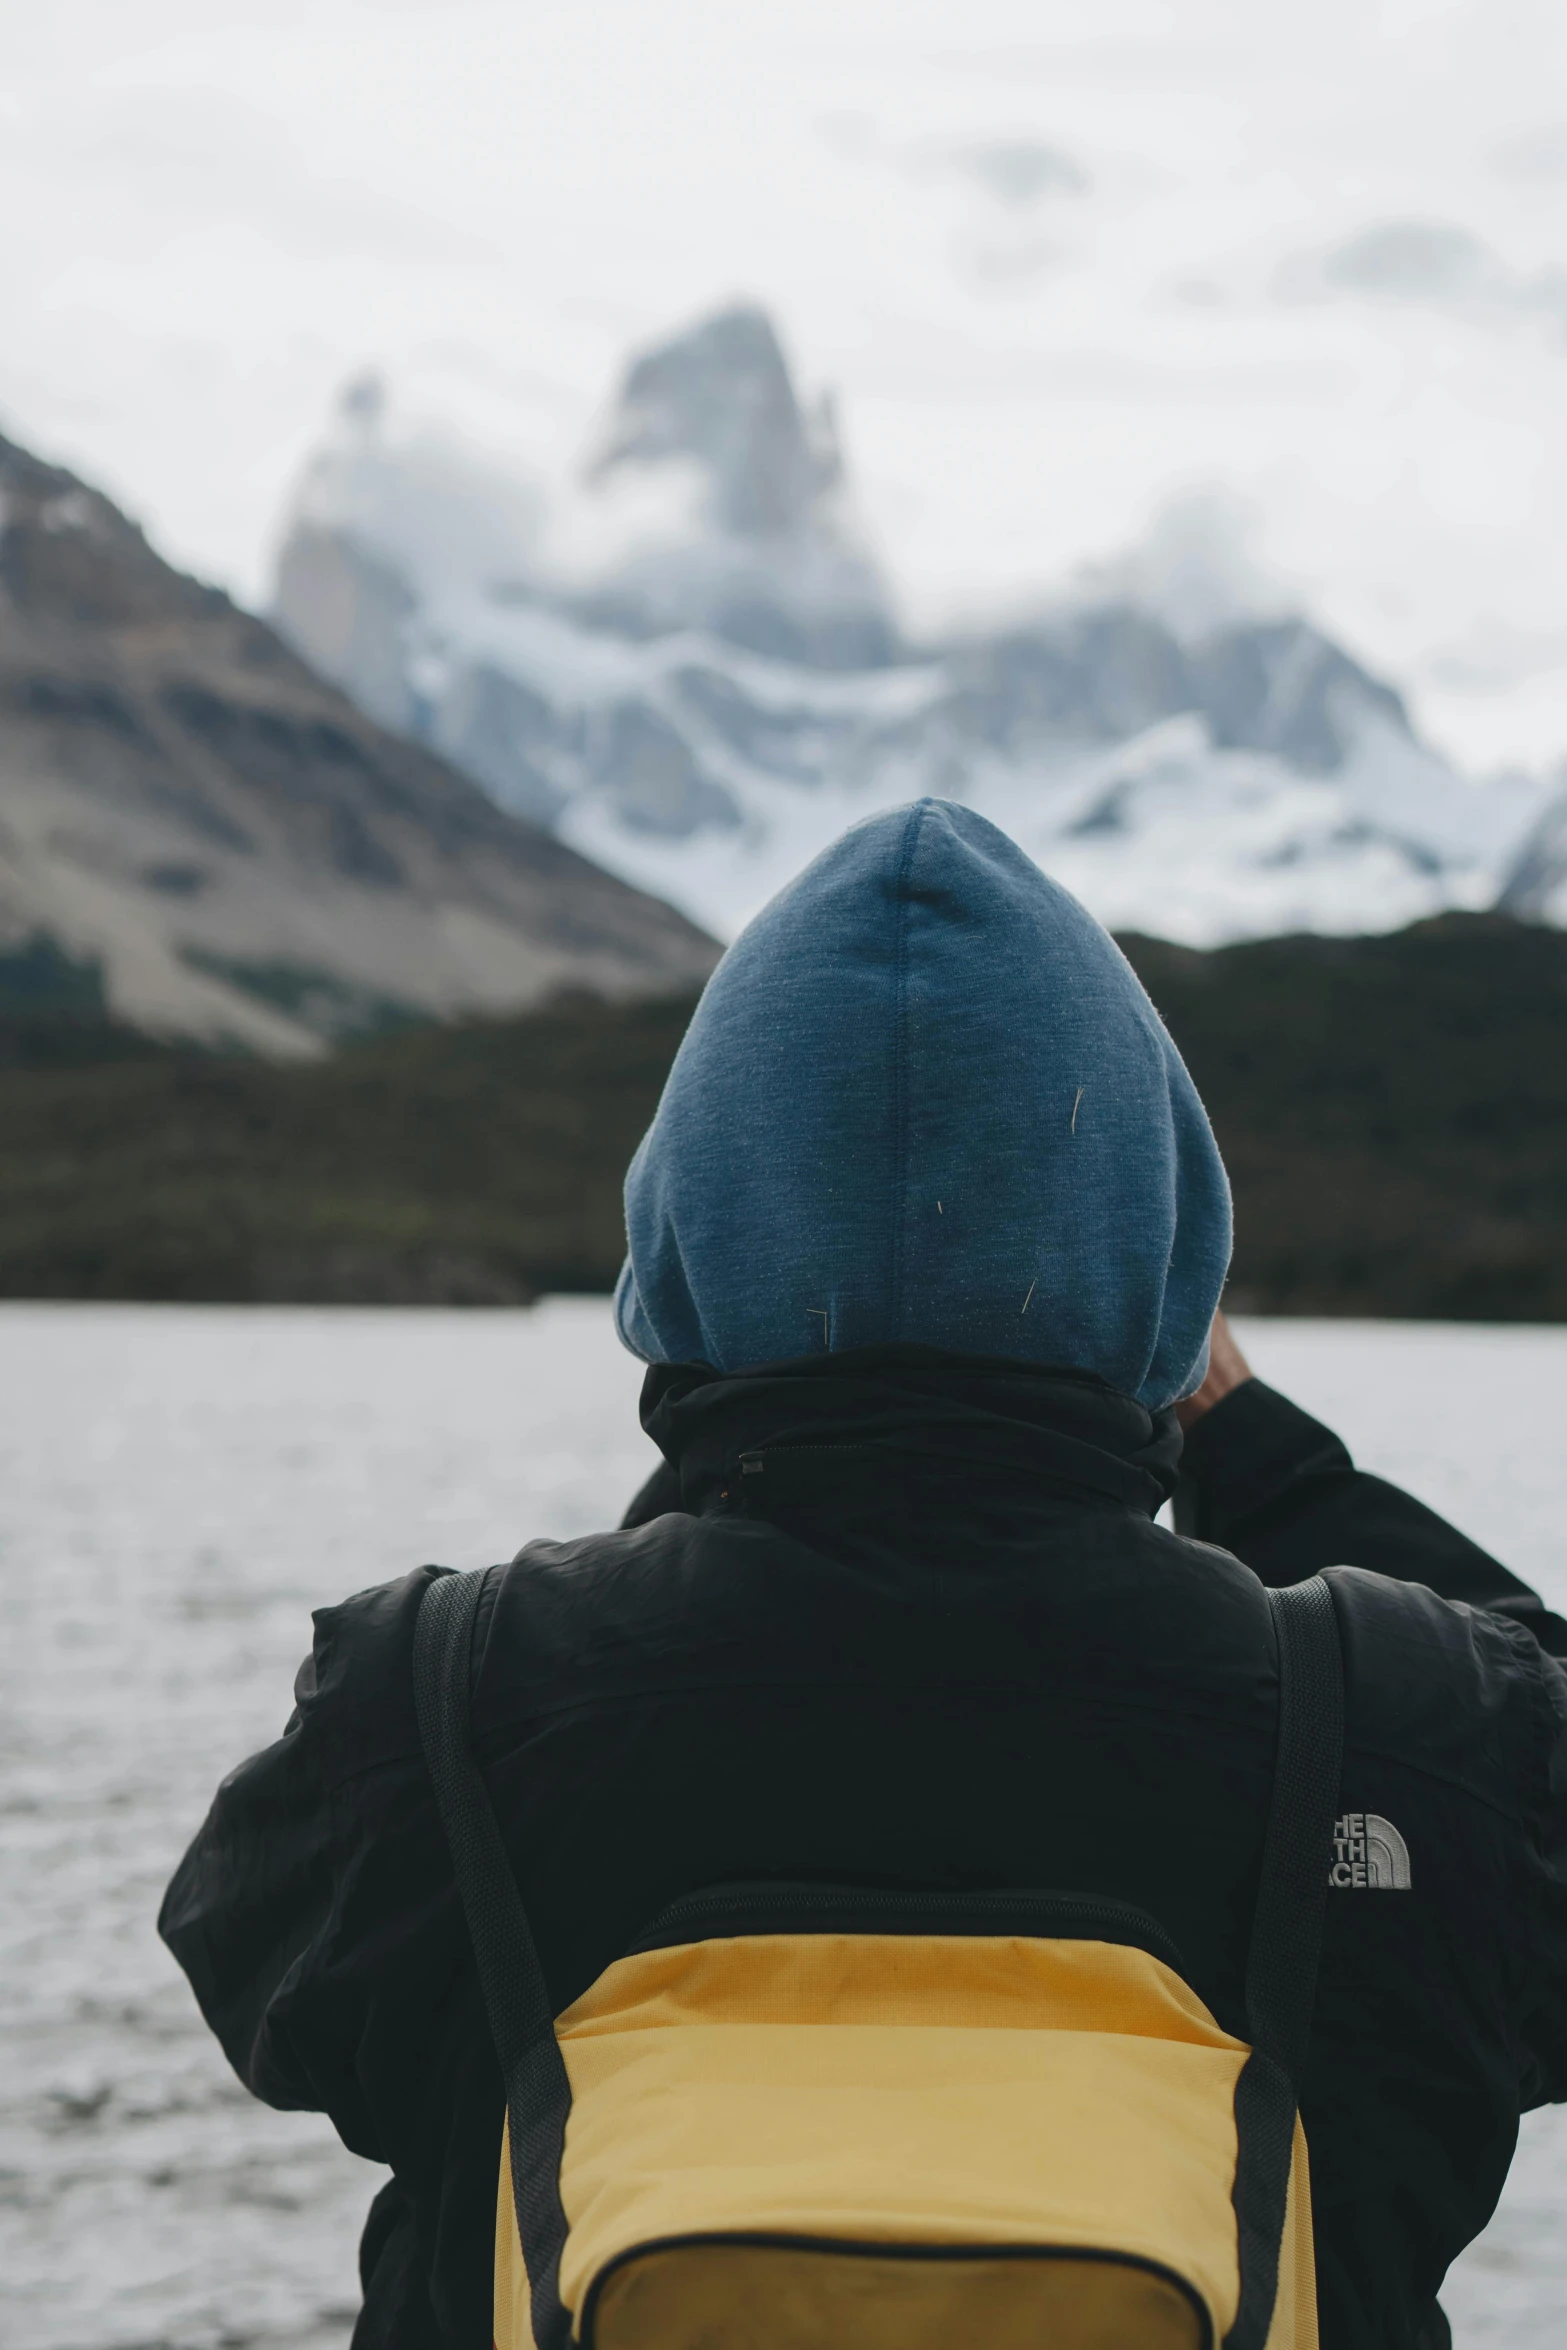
(900, 1619)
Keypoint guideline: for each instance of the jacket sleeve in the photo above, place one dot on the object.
(1275, 1488)
(1263, 1480)
(316, 1917)
(250, 1899)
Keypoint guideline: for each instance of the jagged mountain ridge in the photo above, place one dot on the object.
(722, 684)
(245, 855)
(758, 544)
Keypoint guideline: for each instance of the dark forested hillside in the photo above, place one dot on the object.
(1393, 1111)
(477, 1164)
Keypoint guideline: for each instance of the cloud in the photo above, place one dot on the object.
(1393, 261)
(1412, 261)
(1196, 568)
(1000, 246)
(1019, 172)
(1495, 656)
(422, 496)
(1536, 157)
(1431, 264)
(187, 155)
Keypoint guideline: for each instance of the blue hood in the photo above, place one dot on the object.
(925, 1098)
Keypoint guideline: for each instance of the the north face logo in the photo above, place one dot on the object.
(1368, 1850)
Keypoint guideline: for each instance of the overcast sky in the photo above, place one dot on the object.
(1061, 264)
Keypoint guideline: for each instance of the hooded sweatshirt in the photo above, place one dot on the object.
(925, 1099)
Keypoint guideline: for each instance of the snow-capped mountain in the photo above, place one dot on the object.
(688, 664)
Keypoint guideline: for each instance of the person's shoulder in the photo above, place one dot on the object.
(547, 1613)
(354, 1691)
(626, 1575)
(1462, 1692)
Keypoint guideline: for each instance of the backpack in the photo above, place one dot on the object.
(805, 2117)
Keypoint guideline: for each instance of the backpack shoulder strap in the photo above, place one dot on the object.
(516, 1999)
(1286, 1939)
(1286, 1935)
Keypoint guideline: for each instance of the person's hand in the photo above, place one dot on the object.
(1227, 1369)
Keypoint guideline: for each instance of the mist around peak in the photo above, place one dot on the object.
(1198, 568)
(710, 497)
(682, 656)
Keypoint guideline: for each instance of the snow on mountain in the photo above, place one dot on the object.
(1536, 886)
(687, 663)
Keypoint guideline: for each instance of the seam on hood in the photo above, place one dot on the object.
(900, 1066)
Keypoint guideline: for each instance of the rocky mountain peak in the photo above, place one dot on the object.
(720, 395)
(734, 508)
(70, 559)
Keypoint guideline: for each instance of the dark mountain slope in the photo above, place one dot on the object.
(246, 856)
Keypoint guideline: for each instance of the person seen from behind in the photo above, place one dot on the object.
(893, 1892)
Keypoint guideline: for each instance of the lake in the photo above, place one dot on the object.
(178, 1487)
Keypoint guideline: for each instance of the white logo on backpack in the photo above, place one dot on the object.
(1368, 1850)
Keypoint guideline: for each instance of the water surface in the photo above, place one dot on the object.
(178, 1487)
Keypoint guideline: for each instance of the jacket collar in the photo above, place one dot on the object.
(912, 1412)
